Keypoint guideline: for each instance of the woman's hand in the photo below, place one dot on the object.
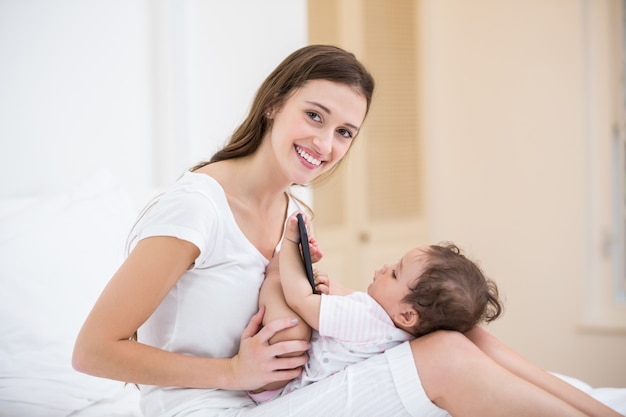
(257, 363)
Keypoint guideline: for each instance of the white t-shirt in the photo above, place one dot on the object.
(207, 310)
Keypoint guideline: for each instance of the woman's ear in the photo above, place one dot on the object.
(270, 113)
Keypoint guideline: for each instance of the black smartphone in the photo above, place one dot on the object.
(306, 253)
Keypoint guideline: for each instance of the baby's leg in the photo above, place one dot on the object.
(271, 296)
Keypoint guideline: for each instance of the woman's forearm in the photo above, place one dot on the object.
(256, 364)
(103, 347)
(135, 362)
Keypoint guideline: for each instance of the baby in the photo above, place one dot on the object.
(431, 288)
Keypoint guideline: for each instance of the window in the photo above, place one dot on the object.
(618, 183)
(605, 135)
(619, 170)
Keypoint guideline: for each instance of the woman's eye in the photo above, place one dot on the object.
(345, 133)
(314, 116)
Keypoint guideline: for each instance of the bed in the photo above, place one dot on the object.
(56, 254)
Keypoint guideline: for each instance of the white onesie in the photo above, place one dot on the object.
(352, 328)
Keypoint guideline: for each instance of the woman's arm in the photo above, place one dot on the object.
(103, 347)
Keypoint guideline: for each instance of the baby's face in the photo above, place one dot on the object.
(392, 282)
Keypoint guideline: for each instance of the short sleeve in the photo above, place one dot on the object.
(183, 213)
(341, 317)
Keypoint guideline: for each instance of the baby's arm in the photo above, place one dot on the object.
(271, 297)
(293, 279)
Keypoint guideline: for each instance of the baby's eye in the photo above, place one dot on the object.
(345, 133)
(314, 116)
(393, 273)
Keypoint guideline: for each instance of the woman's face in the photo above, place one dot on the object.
(315, 127)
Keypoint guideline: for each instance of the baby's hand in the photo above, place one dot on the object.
(292, 231)
(316, 252)
(322, 282)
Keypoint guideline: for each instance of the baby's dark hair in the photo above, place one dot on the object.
(452, 293)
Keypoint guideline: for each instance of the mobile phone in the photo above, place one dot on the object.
(306, 253)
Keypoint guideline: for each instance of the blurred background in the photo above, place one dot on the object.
(496, 124)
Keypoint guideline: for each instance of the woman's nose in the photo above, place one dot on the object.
(324, 142)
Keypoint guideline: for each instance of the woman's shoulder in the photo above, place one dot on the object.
(193, 208)
(190, 193)
(196, 183)
(198, 179)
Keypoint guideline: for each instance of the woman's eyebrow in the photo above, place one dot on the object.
(327, 110)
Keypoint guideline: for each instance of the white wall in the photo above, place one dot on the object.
(143, 88)
(74, 91)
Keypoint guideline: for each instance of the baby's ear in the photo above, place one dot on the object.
(407, 317)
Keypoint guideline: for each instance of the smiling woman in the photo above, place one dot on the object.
(190, 284)
(104, 86)
(223, 217)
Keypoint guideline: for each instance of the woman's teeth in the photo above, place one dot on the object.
(308, 157)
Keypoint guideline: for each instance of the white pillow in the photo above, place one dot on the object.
(56, 255)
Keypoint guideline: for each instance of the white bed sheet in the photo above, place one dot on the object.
(612, 397)
(124, 404)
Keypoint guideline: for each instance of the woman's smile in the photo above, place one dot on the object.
(308, 159)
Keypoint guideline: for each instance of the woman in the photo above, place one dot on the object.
(190, 284)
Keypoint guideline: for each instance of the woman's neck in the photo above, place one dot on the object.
(249, 181)
(257, 200)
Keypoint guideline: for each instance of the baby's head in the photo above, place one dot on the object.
(435, 288)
